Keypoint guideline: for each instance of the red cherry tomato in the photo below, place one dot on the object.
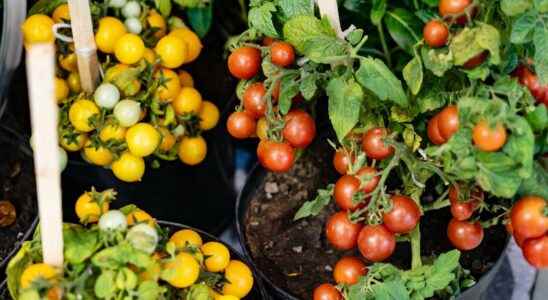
(244, 62)
(374, 146)
(348, 270)
(241, 125)
(342, 160)
(463, 210)
(528, 219)
(276, 156)
(267, 41)
(475, 61)
(404, 215)
(282, 54)
(369, 178)
(448, 8)
(435, 34)
(448, 121)
(434, 132)
(376, 243)
(345, 189)
(299, 129)
(327, 291)
(487, 138)
(464, 235)
(341, 232)
(530, 80)
(254, 100)
(536, 251)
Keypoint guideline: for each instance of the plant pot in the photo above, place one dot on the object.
(256, 184)
(258, 291)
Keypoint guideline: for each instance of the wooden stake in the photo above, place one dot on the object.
(84, 43)
(44, 117)
(330, 9)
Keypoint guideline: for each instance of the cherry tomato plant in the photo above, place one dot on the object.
(447, 99)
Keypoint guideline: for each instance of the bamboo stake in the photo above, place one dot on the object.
(84, 43)
(44, 117)
(330, 9)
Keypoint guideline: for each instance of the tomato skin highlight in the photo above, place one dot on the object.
(528, 220)
(276, 156)
(341, 232)
(376, 243)
(344, 191)
(348, 270)
(464, 235)
(434, 132)
(435, 34)
(489, 139)
(448, 121)
(374, 146)
(404, 216)
(241, 125)
(299, 129)
(254, 100)
(535, 252)
(244, 62)
(282, 54)
(326, 291)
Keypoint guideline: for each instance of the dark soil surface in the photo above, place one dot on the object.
(296, 256)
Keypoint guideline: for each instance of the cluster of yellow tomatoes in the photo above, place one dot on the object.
(145, 104)
(185, 266)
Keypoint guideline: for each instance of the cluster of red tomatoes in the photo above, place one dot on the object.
(436, 32)
(462, 233)
(446, 123)
(276, 150)
(530, 80)
(529, 225)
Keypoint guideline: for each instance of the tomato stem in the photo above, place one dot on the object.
(415, 237)
(384, 45)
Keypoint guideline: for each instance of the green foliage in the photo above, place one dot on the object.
(314, 207)
(200, 19)
(413, 75)
(298, 30)
(45, 7)
(374, 75)
(470, 42)
(345, 99)
(404, 27)
(260, 18)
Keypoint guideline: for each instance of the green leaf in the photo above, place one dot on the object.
(496, 174)
(164, 7)
(515, 7)
(390, 290)
(314, 207)
(412, 73)
(292, 8)
(260, 18)
(470, 42)
(431, 3)
(200, 19)
(289, 89)
(377, 11)
(45, 7)
(345, 99)
(404, 27)
(325, 49)
(541, 5)
(438, 61)
(411, 138)
(478, 73)
(79, 243)
(16, 267)
(541, 52)
(538, 118)
(104, 285)
(308, 86)
(536, 184)
(520, 145)
(149, 290)
(299, 29)
(522, 28)
(355, 36)
(447, 262)
(374, 75)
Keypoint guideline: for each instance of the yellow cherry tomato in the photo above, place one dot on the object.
(149, 56)
(168, 139)
(109, 32)
(186, 237)
(73, 144)
(262, 129)
(127, 88)
(129, 49)
(35, 272)
(240, 279)
(73, 81)
(156, 21)
(80, 114)
(112, 131)
(152, 273)
(142, 139)
(61, 14)
(38, 29)
(69, 62)
(192, 150)
(139, 216)
(186, 79)
(61, 89)
(99, 156)
(188, 101)
(209, 115)
(192, 41)
(172, 51)
(217, 256)
(88, 210)
(227, 297)
(170, 87)
(129, 167)
(183, 270)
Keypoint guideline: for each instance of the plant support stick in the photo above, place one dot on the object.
(330, 9)
(44, 116)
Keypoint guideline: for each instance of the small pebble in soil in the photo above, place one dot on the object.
(271, 188)
(297, 249)
(328, 268)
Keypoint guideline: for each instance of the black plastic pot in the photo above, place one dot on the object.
(254, 180)
(257, 293)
